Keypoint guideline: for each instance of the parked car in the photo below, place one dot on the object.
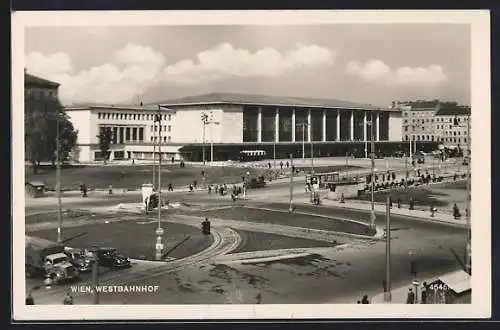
(257, 182)
(110, 258)
(79, 259)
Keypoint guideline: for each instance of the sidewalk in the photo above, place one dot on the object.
(381, 208)
(459, 281)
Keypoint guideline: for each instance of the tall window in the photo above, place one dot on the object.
(141, 133)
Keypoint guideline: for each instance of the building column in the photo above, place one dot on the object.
(277, 126)
(324, 125)
(309, 135)
(351, 131)
(259, 125)
(365, 135)
(378, 126)
(293, 125)
(338, 125)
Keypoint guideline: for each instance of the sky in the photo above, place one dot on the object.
(365, 63)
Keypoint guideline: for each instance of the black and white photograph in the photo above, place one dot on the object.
(251, 164)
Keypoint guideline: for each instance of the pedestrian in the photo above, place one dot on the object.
(133, 161)
(281, 165)
(424, 293)
(30, 300)
(191, 188)
(365, 299)
(287, 164)
(399, 202)
(456, 211)
(172, 160)
(410, 298)
(209, 189)
(269, 165)
(195, 184)
(412, 204)
(68, 299)
(390, 202)
(170, 187)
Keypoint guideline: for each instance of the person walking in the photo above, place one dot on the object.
(68, 299)
(281, 165)
(287, 164)
(423, 291)
(365, 299)
(30, 300)
(410, 298)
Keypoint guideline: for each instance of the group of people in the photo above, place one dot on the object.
(68, 299)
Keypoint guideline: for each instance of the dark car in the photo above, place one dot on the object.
(110, 258)
(257, 182)
(79, 259)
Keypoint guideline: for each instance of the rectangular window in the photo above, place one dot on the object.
(169, 116)
(169, 128)
(169, 138)
(141, 133)
(151, 128)
(164, 139)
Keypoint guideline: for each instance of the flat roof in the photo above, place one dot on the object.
(112, 107)
(268, 100)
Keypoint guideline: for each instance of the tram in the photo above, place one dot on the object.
(252, 155)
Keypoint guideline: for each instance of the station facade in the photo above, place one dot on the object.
(224, 124)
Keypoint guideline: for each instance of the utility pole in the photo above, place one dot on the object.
(58, 179)
(95, 274)
(291, 184)
(204, 122)
(387, 293)
(159, 230)
(154, 151)
(303, 144)
(468, 201)
(274, 154)
(372, 212)
(312, 157)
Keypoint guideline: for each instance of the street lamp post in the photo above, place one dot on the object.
(372, 212)
(159, 230)
(204, 120)
(387, 293)
(290, 209)
(274, 154)
(468, 201)
(58, 179)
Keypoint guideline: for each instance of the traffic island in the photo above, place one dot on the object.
(133, 238)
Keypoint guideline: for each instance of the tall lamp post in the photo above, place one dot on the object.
(58, 179)
(372, 183)
(290, 209)
(212, 122)
(387, 292)
(303, 125)
(159, 230)
(204, 120)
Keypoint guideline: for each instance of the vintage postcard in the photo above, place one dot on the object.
(251, 165)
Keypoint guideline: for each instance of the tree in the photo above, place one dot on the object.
(105, 136)
(42, 116)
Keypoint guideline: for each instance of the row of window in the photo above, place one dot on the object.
(154, 128)
(438, 139)
(40, 93)
(164, 138)
(130, 116)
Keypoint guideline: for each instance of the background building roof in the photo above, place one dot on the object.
(453, 110)
(267, 100)
(31, 80)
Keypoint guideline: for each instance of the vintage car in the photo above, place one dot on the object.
(82, 261)
(110, 258)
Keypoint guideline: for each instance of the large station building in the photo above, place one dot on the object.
(234, 122)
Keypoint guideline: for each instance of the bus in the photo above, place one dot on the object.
(252, 155)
